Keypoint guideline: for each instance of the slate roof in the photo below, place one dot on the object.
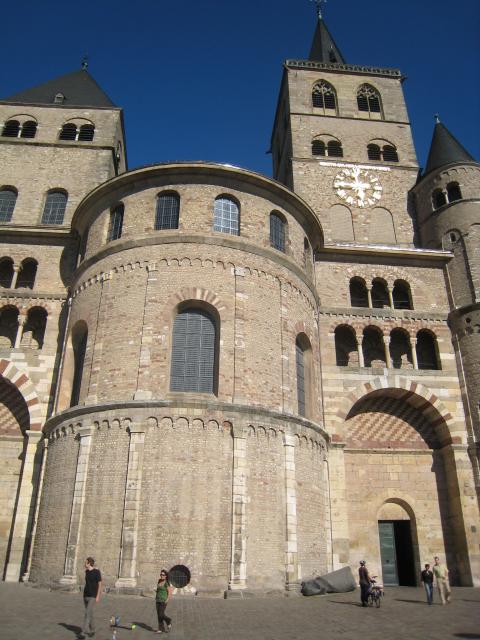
(324, 48)
(78, 87)
(445, 149)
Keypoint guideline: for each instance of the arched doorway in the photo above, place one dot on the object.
(397, 536)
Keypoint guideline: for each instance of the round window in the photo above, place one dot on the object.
(179, 576)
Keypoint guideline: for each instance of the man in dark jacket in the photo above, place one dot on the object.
(427, 580)
(364, 579)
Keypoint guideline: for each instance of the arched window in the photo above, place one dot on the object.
(373, 151)
(55, 205)
(11, 129)
(400, 349)
(380, 297)
(68, 131)
(318, 148)
(8, 326)
(453, 191)
(34, 329)
(373, 347)
(346, 348)
(167, 213)
(277, 231)
(79, 345)
(27, 274)
(29, 129)
(86, 133)
(402, 297)
(389, 153)
(427, 350)
(8, 198)
(303, 359)
(368, 99)
(6, 272)
(324, 97)
(115, 223)
(226, 216)
(194, 347)
(438, 198)
(358, 293)
(334, 149)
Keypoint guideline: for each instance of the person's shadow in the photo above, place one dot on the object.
(71, 627)
(142, 625)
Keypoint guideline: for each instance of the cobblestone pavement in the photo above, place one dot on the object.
(32, 613)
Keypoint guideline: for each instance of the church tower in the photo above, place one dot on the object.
(447, 199)
(342, 141)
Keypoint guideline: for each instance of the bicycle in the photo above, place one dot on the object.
(375, 594)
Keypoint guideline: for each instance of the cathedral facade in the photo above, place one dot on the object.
(251, 380)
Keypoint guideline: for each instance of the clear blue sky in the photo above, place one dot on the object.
(200, 80)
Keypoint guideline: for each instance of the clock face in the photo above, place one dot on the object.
(357, 187)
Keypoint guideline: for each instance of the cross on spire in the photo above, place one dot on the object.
(319, 7)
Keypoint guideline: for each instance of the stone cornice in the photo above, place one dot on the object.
(344, 68)
(384, 314)
(383, 254)
(13, 294)
(48, 231)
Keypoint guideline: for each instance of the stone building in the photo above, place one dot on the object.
(252, 380)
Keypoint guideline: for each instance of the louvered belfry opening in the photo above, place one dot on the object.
(323, 96)
(29, 129)
(68, 132)
(193, 352)
(11, 129)
(368, 99)
(86, 133)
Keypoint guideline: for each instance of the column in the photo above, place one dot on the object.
(390, 297)
(23, 515)
(131, 509)
(70, 570)
(413, 342)
(21, 323)
(26, 575)
(238, 570)
(291, 549)
(16, 271)
(388, 357)
(369, 295)
(239, 344)
(361, 360)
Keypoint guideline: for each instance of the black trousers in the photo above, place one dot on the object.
(161, 606)
(364, 588)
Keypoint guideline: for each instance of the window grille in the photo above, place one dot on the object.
(116, 223)
(318, 148)
(277, 232)
(226, 216)
(368, 99)
(54, 210)
(300, 360)
(11, 129)
(193, 352)
(8, 198)
(323, 96)
(168, 207)
(86, 133)
(373, 151)
(68, 132)
(29, 129)
(335, 149)
(390, 153)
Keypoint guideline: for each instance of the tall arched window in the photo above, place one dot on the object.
(8, 326)
(194, 347)
(79, 345)
(115, 223)
(402, 297)
(86, 133)
(6, 272)
(346, 348)
(380, 297)
(27, 274)
(373, 347)
(277, 231)
(358, 292)
(400, 349)
(11, 129)
(55, 205)
(34, 329)
(324, 97)
(438, 198)
(368, 99)
(303, 360)
(427, 350)
(168, 209)
(68, 131)
(8, 198)
(226, 216)
(453, 191)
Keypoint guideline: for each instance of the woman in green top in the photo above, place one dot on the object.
(163, 595)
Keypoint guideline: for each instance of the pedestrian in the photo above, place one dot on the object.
(365, 582)
(91, 595)
(427, 580)
(440, 572)
(163, 595)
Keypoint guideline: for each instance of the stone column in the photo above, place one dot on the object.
(21, 323)
(390, 297)
(24, 506)
(388, 357)
(361, 359)
(26, 575)
(239, 344)
(131, 509)
(369, 296)
(70, 570)
(413, 342)
(238, 569)
(291, 547)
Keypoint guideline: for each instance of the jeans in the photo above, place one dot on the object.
(161, 606)
(88, 622)
(429, 591)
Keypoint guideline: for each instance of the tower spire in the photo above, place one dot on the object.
(319, 7)
(324, 48)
